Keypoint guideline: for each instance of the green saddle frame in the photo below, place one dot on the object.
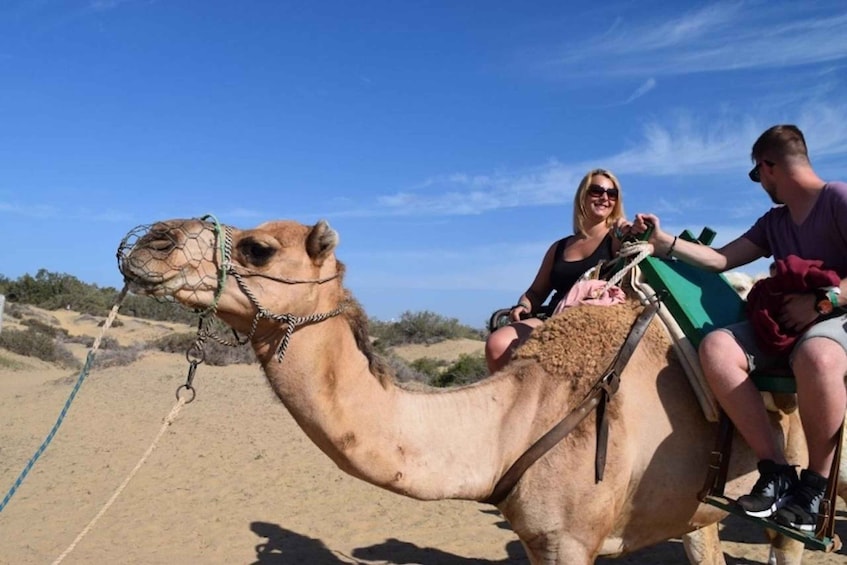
(701, 301)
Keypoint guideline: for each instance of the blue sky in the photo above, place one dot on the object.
(443, 139)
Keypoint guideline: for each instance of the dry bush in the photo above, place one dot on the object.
(6, 363)
(33, 343)
(403, 372)
(45, 328)
(215, 353)
(15, 311)
(117, 356)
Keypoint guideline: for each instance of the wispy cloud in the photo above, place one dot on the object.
(680, 144)
(39, 211)
(714, 38)
(104, 5)
(648, 85)
(47, 212)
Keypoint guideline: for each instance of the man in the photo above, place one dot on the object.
(810, 222)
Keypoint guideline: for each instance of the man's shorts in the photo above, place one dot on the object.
(834, 328)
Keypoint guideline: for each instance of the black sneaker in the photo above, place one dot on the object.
(769, 492)
(801, 506)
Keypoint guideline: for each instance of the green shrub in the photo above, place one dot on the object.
(428, 366)
(421, 327)
(467, 369)
(403, 372)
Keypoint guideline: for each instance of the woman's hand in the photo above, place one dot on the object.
(622, 229)
(519, 312)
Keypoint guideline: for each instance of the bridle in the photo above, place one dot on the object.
(223, 238)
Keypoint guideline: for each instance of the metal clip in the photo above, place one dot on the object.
(189, 386)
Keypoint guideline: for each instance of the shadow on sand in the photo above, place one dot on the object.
(285, 547)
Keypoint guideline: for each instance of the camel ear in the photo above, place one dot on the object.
(321, 241)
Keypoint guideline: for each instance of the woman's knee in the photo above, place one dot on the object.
(500, 342)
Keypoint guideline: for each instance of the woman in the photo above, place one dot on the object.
(598, 217)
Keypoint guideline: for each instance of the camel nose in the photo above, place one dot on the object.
(158, 238)
(126, 247)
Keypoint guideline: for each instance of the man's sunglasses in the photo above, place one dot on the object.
(597, 191)
(754, 172)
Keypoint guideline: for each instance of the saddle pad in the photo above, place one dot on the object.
(685, 351)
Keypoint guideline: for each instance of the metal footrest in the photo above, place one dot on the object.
(808, 538)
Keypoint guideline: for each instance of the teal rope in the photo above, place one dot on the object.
(220, 238)
(89, 360)
(84, 373)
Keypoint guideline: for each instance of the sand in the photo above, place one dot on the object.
(232, 480)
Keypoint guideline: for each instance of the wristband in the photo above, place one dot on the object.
(669, 254)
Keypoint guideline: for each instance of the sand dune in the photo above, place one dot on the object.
(232, 481)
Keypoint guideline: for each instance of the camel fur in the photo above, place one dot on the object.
(457, 443)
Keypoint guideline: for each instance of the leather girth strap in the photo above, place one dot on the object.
(598, 397)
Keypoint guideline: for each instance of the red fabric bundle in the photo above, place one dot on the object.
(793, 275)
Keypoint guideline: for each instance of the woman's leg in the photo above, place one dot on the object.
(502, 342)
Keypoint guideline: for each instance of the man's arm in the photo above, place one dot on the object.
(737, 252)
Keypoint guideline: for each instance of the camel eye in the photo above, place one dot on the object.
(255, 252)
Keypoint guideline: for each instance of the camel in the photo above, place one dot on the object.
(281, 285)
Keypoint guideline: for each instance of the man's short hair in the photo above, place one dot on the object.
(783, 142)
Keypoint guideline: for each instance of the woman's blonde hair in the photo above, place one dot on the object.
(579, 212)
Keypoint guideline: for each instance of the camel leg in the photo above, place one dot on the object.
(784, 550)
(842, 470)
(703, 546)
(566, 551)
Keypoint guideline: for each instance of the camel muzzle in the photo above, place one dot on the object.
(174, 255)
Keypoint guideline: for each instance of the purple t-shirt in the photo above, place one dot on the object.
(822, 236)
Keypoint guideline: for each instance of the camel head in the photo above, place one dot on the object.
(277, 267)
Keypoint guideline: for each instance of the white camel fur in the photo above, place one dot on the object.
(457, 443)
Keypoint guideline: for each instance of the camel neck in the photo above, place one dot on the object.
(427, 444)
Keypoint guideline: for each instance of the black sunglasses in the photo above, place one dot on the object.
(597, 190)
(754, 172)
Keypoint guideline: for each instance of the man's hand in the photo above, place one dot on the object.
(660, 240)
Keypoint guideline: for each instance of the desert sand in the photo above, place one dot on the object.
(232, 480)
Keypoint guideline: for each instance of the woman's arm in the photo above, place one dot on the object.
(540, 288)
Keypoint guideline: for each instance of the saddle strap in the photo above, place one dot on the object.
(826, 515)
(606, 386)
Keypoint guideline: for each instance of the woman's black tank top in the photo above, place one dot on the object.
(564, 274)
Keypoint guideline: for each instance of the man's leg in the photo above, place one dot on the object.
(819, 365)
(725, 367)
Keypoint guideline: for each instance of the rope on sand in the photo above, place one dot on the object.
(83, 373)
(168, 421)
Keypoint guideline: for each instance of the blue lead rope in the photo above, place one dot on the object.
(84, 373)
